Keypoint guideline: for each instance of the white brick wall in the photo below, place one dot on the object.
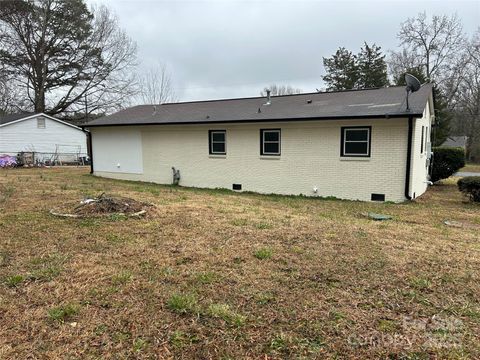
(310, 158)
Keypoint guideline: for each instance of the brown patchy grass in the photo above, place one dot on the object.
(214, 274)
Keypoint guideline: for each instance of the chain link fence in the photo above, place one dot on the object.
(38, 159)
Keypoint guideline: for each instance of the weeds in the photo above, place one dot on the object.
(139, 345)
(278, 343)
(239, 222)
(180, 339)
(63, 313)
(263, 254)
(224, 312)
(387, 326)
(183, 303)
(263, 226)
(117, 217)
(207, 277)
(6, 191)
(265, 298)
(14, 280)
(121, 278)
(420, 283)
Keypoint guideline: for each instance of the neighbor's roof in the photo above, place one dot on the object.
(374, 103)
(455, 141)
(6, 120)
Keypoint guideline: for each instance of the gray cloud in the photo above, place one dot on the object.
(219, 49)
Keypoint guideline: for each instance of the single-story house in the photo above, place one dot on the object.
(49, 138)
(456, 141)
(358, 144)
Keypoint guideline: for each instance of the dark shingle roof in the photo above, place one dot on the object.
(455, 141)
(5, 119)
(379, 102)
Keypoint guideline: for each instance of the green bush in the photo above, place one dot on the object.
(470, 186)
(446, 162)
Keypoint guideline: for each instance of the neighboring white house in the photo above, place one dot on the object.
(49, 138)
(362, 144)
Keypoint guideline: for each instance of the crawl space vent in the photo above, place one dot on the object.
(378, 197)
(237, 186)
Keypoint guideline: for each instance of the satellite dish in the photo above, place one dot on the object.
(413, 84)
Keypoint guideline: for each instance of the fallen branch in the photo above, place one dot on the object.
(65, 215)
(76, 216)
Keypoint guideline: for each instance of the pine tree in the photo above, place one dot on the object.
(399, 80)
(443, 118)
(341, 70)
(346, 70)
(371, 67)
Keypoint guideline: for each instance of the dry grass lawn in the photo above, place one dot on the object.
(471, 168)
(220, 275)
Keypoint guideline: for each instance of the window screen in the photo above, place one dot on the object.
(270, 141)
(218, 142)
(356, 141)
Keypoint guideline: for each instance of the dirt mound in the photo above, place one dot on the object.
(103, 205)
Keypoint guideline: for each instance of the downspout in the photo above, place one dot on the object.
(90, 151)
(409, 158)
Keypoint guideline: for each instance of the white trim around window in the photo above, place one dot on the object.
(267, 144)
(356, 141)
(216, 145)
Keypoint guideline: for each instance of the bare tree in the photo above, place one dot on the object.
(63, 55)
(434, 45)
(115, 84)
(10, 96)
(467, 99)
(277, 90)
(156, 86)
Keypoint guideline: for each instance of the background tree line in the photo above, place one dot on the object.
(434, 50)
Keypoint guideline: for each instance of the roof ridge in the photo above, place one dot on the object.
(273, 96)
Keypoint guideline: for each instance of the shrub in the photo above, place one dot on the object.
(470, 186)
(446, 162)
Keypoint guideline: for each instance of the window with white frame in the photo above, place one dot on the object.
(270, 142)
(355, 141)
(41, 123)
(217, 142)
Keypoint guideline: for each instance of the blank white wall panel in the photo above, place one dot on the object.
(117, 150)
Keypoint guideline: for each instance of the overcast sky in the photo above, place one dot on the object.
(222, 49)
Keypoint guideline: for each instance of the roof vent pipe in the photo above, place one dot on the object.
(269, 100)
